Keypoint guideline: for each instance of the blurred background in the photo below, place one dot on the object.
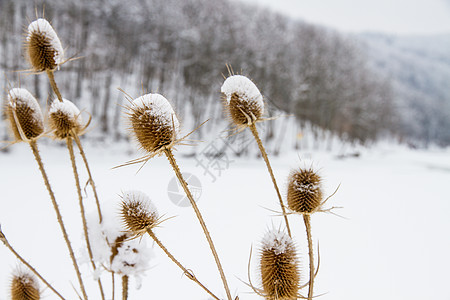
(346, 71)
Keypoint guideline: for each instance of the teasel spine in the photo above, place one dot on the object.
(24, 286)
(171, 158)
(172, 258)
(272, 176)
(69, 143)
(31, 268)
(37, 156)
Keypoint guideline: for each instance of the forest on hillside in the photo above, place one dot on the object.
(181, 48)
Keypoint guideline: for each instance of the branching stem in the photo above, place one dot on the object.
(266, 159)
(69, 143)
(37, 156)
(51, 77)
(175, 167)
(185, 271)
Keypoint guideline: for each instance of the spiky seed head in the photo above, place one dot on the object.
(138, 213)
(243, 100)
(304, 191)
(279, 266)
(153, 122)
(24, 115)
(24, 286)
(64, 119)
(43, 47)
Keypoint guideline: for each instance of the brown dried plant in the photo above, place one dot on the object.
(24, 286)
(5, 241)
(140, 216)
(25, 118)
(279, 267)
(155, 126)
(305, 197)
(244, 106)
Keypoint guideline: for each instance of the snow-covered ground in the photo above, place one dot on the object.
(392, 244)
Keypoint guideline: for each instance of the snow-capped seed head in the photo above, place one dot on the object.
(279, 266)
(24, 115)
(244, 102)
(24, 286)
(64, 119)
(153, 122)
(138, 213)
(44, 49)
(304, 191)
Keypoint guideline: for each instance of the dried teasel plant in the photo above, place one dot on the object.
(5, 241)
(24, 286)
(26, 121)
(140, 216)
(305, 197)
(244, 105)
(44, 50)
(155, 126)
(279, 267)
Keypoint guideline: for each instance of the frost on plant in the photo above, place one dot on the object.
(43, 29)
(244, 87)
(277, 241)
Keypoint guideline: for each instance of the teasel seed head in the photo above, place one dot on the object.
(24, 115)
(153, 122)
(279, 265)
(138, 213)
(24, 286)
(64, 119)
(244, 102)
(43, 47)
(304, 191)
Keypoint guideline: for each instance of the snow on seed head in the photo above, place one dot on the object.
(138, 213)
(24, 286)
(279, 266)
(43, 46)
(244, 101)
(153, 122)
(64, 119)
(304, 191)
(24, 115)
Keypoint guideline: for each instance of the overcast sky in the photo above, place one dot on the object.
(388, 16)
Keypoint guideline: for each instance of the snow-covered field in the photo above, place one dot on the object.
(393, 243)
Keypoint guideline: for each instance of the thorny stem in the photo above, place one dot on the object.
(8, 245)
(37, 156)
(91, 181)
(113, 286)
(307, 220)
(175, 167)
(51, 77)
(186, 271)
(124, 287)
(83, 214)
(266, 159)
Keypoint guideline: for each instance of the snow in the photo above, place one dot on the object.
(244, 87)
(394, 234)
(67, 108)
(42, 26)
(158, 106)
(21, 95)
(306, 188)
(276, 240)
(26, 276)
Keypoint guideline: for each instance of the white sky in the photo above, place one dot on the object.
(389, 16)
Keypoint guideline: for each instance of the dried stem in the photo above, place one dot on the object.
(113, 282)
(186, 271)
(51, 77)
(266, 159)
(83, 214)
(8, 245)
(91, 181)
(175, 167)
(124, 287)
(37, 156)
(307, 220)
